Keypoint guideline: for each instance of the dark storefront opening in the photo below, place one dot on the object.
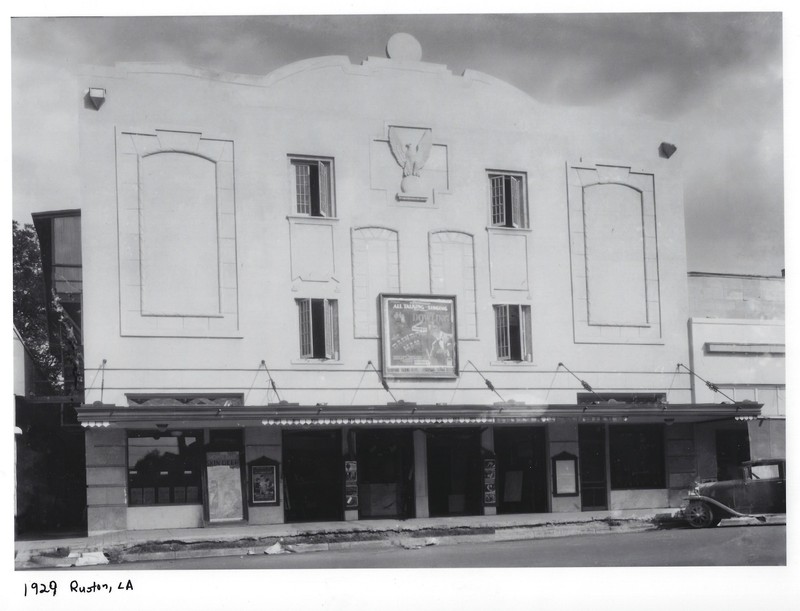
(313, 467)
(522, 469)
(51, 472)
(454, 472)
(733, 448)
(636, 454)
(386, 473)
(592, 450)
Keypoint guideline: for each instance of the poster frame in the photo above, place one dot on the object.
(422, 371)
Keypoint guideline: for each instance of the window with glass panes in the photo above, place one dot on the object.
(164, 468)
(508, 200)
(313, 186)
(513, 332)
(319, 328)
(636, 456)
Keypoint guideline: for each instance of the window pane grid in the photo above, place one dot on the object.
(306, 344)
(313, 187)
(303, 187)
(502, 330)
(508, 201)
(164, 470)
(319, 328)
(498, 201)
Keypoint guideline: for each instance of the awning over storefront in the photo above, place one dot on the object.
(286, 414)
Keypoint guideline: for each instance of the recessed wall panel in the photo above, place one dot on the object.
(179, 236)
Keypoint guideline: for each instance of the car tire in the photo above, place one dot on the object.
(700, 515)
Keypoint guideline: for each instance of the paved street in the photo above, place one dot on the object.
(731, 545)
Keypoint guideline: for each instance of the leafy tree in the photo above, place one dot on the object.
(30, 304)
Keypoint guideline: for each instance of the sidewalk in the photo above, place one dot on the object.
(237, 540)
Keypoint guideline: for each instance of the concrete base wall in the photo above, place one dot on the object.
(165, 516)
(638, 499)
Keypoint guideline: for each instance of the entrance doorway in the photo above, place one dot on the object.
(592, 449)
(312, 471)
(733, 448)
(522, 470)
(386, 473)
(454, 472)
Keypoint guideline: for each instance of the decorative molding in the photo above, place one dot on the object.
(589, 326)
(744, 348)
(505, 245)
(140, 400)
(133, 147)
(366, 288)
(312, 249)
(441, 277)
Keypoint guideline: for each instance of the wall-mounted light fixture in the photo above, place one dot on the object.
(97, 96)
(666, 150)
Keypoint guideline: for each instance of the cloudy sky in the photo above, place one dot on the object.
(719, 76)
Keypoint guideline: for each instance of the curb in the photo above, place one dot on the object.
(408, 540)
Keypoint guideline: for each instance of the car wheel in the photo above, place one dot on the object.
(699, 515)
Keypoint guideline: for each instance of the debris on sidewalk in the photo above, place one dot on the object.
(91, 559)
(276, 548)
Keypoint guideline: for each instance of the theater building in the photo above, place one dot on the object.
(380, 290)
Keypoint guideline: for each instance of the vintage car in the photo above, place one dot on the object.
(760, 490)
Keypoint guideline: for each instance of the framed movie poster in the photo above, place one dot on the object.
(565, 474)
(418, 336)
(489, 481)
(264, 484)
(224, 481)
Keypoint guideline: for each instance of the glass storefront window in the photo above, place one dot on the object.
(164, 468)
(637, 456)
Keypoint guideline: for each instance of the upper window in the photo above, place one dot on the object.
(513, 331)
(319, 328)
(509, 206)
(313, 186)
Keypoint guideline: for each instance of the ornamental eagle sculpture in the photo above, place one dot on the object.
(411, 157)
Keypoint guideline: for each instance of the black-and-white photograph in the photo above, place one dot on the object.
(429, 292)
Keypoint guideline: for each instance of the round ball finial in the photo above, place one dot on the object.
(404, 47)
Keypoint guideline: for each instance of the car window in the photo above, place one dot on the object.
(764, 471)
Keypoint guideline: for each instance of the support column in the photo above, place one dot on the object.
(348, 453)
(487, 447)
(681, 459)
(266, 442)
(563, 437)
(421, 474)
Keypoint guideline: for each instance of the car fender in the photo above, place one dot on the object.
(717, 504)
